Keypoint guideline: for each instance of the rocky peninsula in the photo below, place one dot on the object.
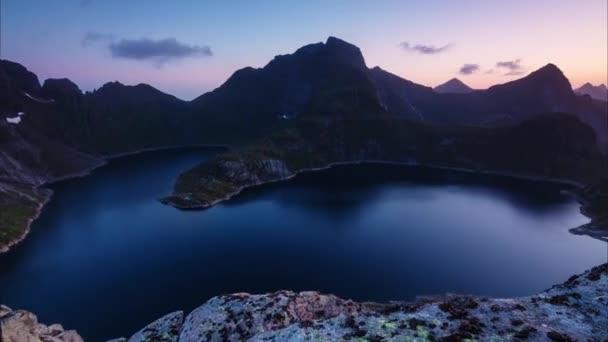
(506, 151)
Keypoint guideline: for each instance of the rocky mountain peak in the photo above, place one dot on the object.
(54, 88)
(597, 92)
(549, 73)
(19, 78)
(453, 86)
(345, 52)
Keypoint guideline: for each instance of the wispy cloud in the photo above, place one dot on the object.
(159, 51)
(424, 49)
(512, 68)
(469, 69)
(93, 37)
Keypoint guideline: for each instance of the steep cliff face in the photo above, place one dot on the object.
(15, 82)
(27, 160)
(29, 155)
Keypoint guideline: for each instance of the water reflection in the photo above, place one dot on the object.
(367, 232)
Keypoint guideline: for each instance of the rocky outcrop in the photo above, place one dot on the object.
(594, 204)
(575, 310)
(227, 178)
(166, 328)
(23, 326)
(572, 311)
(239, 317)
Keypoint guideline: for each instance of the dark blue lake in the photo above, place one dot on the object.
(106, 257)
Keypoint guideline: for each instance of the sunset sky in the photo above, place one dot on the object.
(189, 47)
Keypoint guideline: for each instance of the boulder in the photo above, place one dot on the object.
(165, 329)
(19, 326)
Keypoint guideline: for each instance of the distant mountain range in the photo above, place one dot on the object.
(321, 98)
(599, 92)
(324, 79)
(454, 86)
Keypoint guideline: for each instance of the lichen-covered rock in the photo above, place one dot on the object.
(4, 310)
(66, 336)
(23, 326)
(225, 179)
(19, 326)
(238, 317)
(165, 329)
(575, 310)
(572, 311)
(253, 172)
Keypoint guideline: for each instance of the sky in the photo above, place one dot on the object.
(189, 47)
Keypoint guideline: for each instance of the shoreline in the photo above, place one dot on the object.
(101, 162)
(26, 231)
(590, 228)
(104, 160)
(512, 175)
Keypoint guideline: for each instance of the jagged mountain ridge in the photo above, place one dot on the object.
(64, 131)
(327, 79)
(599, 92)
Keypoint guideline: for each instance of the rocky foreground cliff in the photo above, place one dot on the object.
(23, 326)
(576, 310)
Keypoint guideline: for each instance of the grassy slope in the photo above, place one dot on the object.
(17, 207)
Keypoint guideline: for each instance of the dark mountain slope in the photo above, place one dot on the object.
(400, 96)
(543, 91)
(124, 118)
(323, 79)
(15, 82)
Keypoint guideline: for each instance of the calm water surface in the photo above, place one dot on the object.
(106, 257)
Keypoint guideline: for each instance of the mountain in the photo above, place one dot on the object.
(112, 119)
(322, 79)
(122, 118)
(599, 92)
(545, 90)
(318, 105)
(454, 86)
(400, 96)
